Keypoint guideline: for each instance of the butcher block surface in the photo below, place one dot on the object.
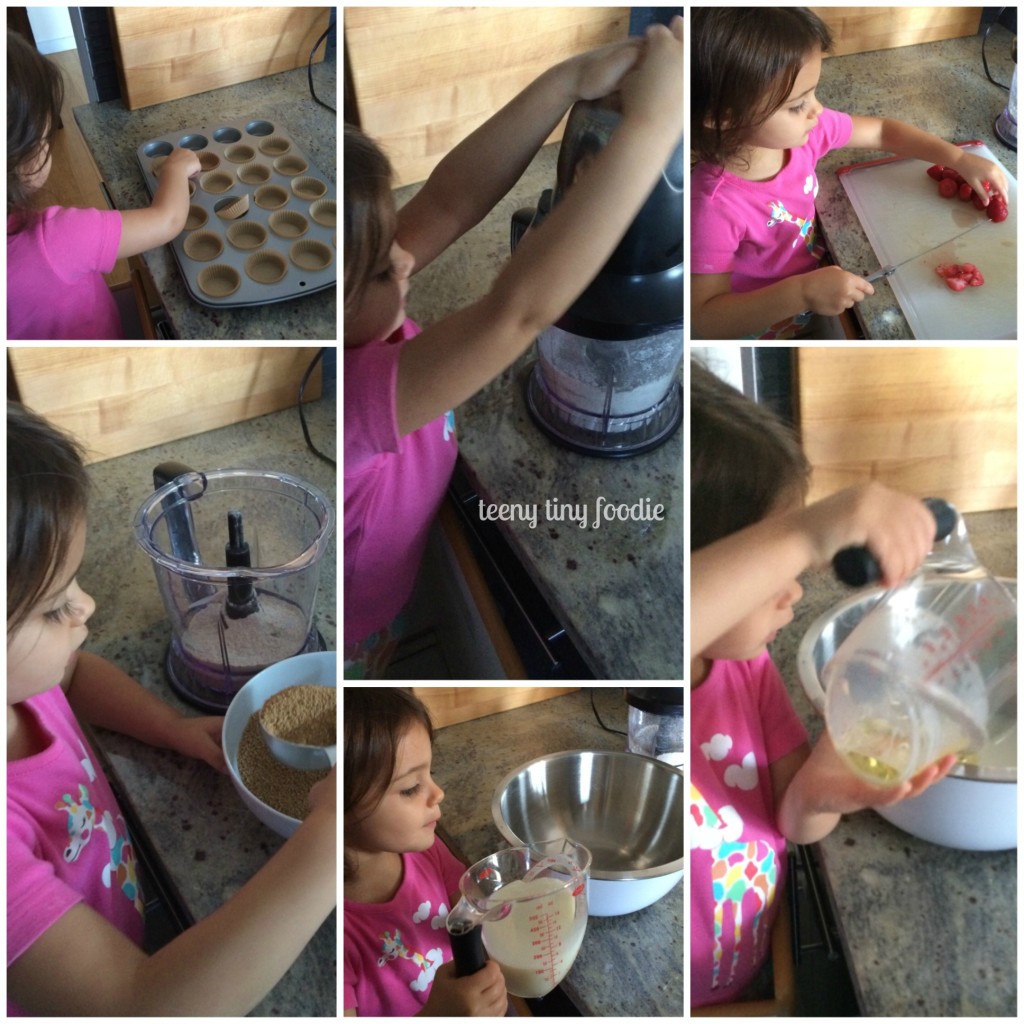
(938, 421)
(165, 53)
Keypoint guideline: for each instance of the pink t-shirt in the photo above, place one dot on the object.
(761, 232)
(55, 267)
(393, 486)
(393, 950)
(741, 721)
(66, 839)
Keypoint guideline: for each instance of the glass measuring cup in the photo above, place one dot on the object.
(930, 670)
(529, 906)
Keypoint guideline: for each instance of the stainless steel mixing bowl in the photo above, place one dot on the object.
(975, 806)
(627, 809)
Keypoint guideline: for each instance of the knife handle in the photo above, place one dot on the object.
(857, 566)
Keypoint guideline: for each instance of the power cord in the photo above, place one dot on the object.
(302, 413)
(984, 40)
(309, 63)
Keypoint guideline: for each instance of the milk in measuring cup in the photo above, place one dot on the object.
(537, 942)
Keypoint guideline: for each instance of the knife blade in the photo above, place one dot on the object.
(891, 269)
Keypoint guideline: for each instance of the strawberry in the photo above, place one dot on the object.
(935, 171)
(948, 188)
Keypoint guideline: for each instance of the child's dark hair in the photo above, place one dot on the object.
(369, 213)
(47, 491)
(35, 94)
(744, 63)
(743, 460)
(375, 719)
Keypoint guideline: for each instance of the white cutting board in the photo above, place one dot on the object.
(902, 214)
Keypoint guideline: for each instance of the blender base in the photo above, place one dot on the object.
(206, 687)
(589, 433)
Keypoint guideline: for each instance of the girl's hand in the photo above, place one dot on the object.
(182, 161)
(653, 90)
(600, 71)
(898, 530)
(323, 796)
(831, 290)
(200, 738)
(477, 995)
(839, 791)
(977, 169)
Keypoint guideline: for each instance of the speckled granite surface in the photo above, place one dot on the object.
(207, 839)
(628, 966)
(113, 134)
(927, 931)
(617, 589)
(939, 87)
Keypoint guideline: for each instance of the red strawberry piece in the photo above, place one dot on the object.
(997, 210)
(966, 192)
(948, 188)
(945, 269)
(976, 280)
(935, 171)
(957, 284)
(979, 202)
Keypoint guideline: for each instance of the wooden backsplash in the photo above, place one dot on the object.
(165, 53)
(425, 77)
(860, 29)
(938, 422)
(119, 400)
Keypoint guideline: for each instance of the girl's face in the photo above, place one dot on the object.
(789, 126)
(42, 648)
(382, 310)
(404, 821)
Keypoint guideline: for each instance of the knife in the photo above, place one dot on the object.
(887, 271)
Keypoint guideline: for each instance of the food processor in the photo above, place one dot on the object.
(656, 723)
(236, 554)
(606, 377)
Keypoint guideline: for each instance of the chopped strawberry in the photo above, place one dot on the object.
(959, 276)
(957, 284)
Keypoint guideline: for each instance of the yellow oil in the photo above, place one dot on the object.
(873, 769)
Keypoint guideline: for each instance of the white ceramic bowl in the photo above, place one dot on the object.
(626, 809)
(975, 806)
(319, 668)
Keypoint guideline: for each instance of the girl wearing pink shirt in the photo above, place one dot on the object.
(74, 897)
(56, 257)
(755, 781)
(400, 382)
(757, 268)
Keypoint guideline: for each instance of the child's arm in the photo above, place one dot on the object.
(221, 967)
(732, 577)
(101, 694)
(165, 217)
(813, 788)
(718, 312)
(907, 141)
(474, 176)
(454, 358)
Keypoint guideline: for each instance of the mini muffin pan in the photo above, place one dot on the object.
(262, 217)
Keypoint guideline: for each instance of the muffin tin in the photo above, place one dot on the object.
(262, 217)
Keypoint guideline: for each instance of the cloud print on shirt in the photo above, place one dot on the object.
(717, 747)
(742, 776)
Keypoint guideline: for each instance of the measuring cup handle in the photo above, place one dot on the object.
(468, 952)
(857, 566)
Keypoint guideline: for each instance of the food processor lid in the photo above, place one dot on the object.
(659, 700)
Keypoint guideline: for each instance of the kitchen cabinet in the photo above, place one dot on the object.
(449, 705)
(119, 400)
(423, 78)
(931, 421)
(165, 53)
(859, 29)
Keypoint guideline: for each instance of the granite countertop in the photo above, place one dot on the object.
(617, 589)
(628, 966)
(113, 134)
(926, 930)
(939, 87)
(207, 840)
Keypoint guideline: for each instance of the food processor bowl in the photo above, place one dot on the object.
(232, 616)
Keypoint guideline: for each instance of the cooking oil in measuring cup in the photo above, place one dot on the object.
(537, 942)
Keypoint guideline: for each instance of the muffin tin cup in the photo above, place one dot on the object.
(262, 215)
